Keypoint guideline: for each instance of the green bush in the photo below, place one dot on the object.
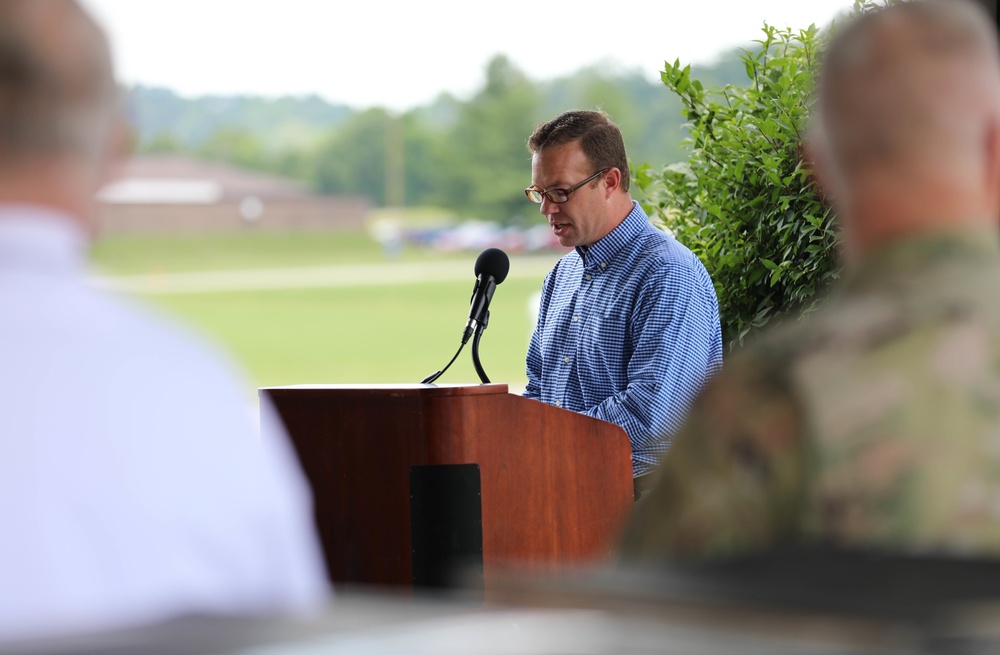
(745, 201)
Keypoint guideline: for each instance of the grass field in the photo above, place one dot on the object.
(250, 250)
(349, 334)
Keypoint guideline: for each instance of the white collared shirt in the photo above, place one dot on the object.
(134, 482)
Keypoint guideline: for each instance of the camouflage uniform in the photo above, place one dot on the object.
(873, 423)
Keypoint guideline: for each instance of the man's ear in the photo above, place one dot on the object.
(820, 171)
(120, 143)
(613, 180)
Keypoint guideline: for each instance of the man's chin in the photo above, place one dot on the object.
(567, 241)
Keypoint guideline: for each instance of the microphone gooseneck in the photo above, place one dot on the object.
(434, 376)
(475, 356)
(491, 269)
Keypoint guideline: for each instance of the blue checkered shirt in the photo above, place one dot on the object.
(628, 332)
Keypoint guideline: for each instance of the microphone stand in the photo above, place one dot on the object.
(491, 269)
(475, 350)
(434, 376)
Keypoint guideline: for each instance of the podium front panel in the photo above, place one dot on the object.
(555, 486)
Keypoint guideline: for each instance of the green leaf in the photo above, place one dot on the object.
(745, 202)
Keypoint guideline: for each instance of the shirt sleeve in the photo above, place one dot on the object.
(733, 481)
(534, 367)
(534, 361)
(676, 345)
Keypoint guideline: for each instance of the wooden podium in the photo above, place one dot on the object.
(413, 481)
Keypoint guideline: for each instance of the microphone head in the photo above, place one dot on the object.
(493, 262)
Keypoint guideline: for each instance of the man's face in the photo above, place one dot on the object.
(584, 218)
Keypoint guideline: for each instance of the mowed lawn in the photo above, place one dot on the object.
(393, 332)
(247, 250)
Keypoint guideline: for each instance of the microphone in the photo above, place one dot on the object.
(492, 267)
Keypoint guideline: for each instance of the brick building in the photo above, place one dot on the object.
(171, 194)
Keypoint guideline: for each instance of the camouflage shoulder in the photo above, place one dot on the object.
(732, 481)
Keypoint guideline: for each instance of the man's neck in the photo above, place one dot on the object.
(621, 210)
(48, 183)
(885, 210)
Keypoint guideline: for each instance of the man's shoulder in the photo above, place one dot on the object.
(166, 352)
(147, 325)
(901, 397)
(902, 327)
(657, 244)
(862, 363)
(657, 255)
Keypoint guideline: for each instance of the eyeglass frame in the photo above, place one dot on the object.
(545, 194)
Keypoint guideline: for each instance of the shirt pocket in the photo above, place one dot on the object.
(557, 334)
(604, 343)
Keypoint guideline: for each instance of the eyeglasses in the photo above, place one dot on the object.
(558, 196)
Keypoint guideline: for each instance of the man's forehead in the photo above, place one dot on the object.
(563, 161)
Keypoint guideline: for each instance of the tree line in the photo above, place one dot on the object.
(715, 151)
(465, 155)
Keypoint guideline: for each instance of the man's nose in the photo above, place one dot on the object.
(548, 207)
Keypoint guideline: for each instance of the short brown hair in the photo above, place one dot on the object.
(599, 137)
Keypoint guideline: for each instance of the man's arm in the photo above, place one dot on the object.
(676, 346)
(733, 480)
(533, 361)
(533, 366)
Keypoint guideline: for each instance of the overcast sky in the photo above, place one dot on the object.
(402, 53)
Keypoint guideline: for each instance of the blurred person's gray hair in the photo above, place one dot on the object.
(57, 88)
(900, 81)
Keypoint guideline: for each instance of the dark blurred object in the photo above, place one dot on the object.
(990, 6)
(816, 602)
(803, 600)
(196, 634)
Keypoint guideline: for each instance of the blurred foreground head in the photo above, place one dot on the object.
(136, 484)
(59, 119)
(907, 130)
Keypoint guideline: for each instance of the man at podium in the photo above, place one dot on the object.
(628, 324)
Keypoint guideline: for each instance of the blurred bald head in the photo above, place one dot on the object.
(60, 124)
(56, 82)
(907, 129)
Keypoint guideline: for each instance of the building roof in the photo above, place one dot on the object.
(176, 179)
